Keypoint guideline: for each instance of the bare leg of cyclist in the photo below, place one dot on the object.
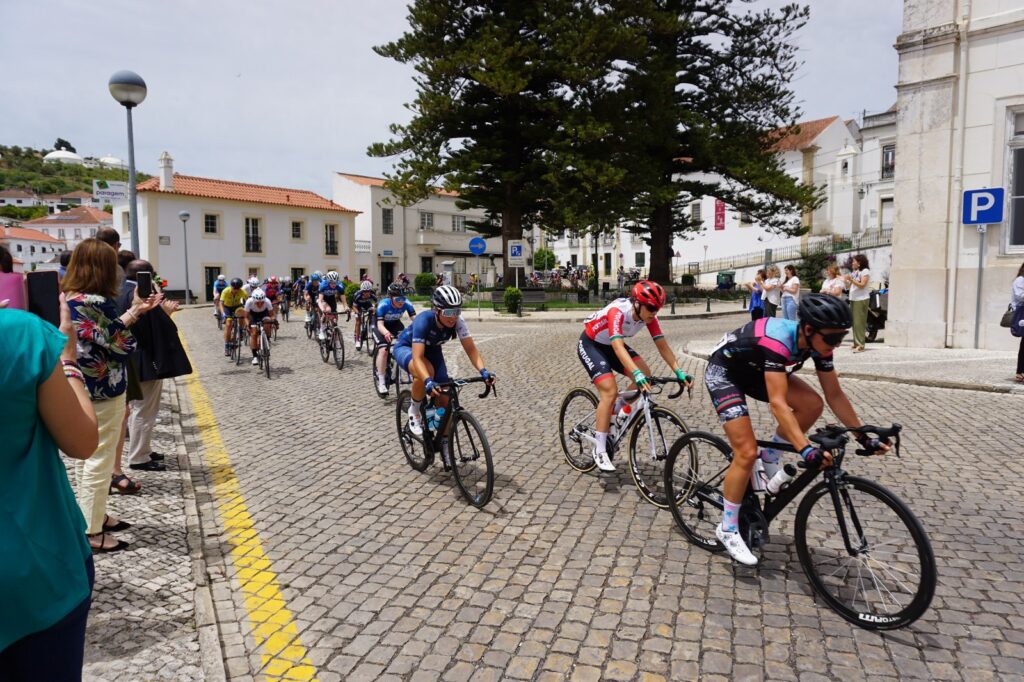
(608, 392)
(228, 328)
(807, 407)
(740, 433)
(253, 341)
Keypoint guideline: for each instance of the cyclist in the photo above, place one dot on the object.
(251, 286)
(363, 300)
(312, 290)
(219, 285)
(418, 350)
(272, 288)
(759, 360)
(389, 324)
(231, 299)
(258, 310)
(330, 291)
(603, 352)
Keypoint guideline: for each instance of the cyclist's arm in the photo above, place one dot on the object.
(777, 384)
(619, 347)
(837, 400)
(473, 353)
(666, 353)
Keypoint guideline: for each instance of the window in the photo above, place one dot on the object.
(78, 233)
(387, 220)
(426, 221)
(888, 161)
(695, 211)
(458, 223)
(575, 260)
(607, 264)
(297, 273)
(640, 259)
(18, 200)
(426, 264)
(92, 232)
(331, 240)
(210, 225)
(32, 248)
(252, 236)
(886, 206)
(60, 233)
(19, 248)
(254, 271)
(1016, 222)
(296, 230)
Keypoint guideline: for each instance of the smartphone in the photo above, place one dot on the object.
(44, 295)
(145, 283)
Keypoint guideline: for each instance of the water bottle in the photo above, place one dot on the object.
(781, 479)
(431, 418)
(438, 418)
(757, 476)
(623, 416)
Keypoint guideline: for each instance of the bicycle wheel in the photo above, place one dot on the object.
(220, 321)
(888, 579)
(470, 457)
(239, 342)
(575, 426)
(694, 471)
(368, 336)
(325, 348)
(338, 348)
(376, 375)
(265, 352)
(412, 445)
(309, 329)
(647, 457)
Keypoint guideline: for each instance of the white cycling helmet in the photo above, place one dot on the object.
(254, 281)
(221, 277)
(258, 295)
(332, 276)
(446, 296)
(367, 285)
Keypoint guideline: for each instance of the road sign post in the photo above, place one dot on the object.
(477, 245)
(981, 208)
(516, 256)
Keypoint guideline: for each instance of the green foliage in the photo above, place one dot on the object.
(811, 270)
(424, 282)
(108, 208)
(688, 280)
(544, 259)
(350, 289)
(61, 143)
(23, 212)
(23, 168)
(513, 299)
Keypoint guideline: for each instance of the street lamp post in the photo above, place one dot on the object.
(129, 90)
(184, 215)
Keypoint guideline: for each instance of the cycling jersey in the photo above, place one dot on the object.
(330, 291)
(364, 299)
(254, 306)
(312, 288)
(425, 329)
(219, 286)
(232, 297)
(616, 321)
(271, 290)
(392, 316)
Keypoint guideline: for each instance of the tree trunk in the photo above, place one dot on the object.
(660, 269)
(511, 228)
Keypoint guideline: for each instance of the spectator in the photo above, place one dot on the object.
(620, 278)
(859, 296)
(772, 291)
(46, 568)
(119, 481)
(110, 236)
(159, 355)
(756, 287)
(1018, 300)
(104, 343)
(834, 282)
(790, 293)
(65, 258)
(12, 284)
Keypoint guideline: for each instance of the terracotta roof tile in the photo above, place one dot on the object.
(79, 215)
(189, 185)
(800, 136)
(17, 194)
(27, 234)
(379, 182)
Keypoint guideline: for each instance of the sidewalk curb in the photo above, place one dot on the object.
(467, 314)
(929, 383)
(210, 650)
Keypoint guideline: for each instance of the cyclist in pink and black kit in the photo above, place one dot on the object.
(603, 352)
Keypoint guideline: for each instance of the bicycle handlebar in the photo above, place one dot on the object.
(832, 436)
(459, 383)
(657, 381)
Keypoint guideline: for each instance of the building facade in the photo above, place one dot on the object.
(413, 239)
(72, 226)
(30, 247)
(960, 127)
(236, 229)
(19, 198)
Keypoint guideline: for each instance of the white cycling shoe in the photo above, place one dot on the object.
(735, 546)
(381, 388)
(255, 360)
(602, 461)
(415, 427)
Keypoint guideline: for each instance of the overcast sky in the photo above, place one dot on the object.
(285, 93)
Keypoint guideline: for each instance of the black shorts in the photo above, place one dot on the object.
(229, 310)
(395, 327)
(332, 303)
(255, 317)
(599, 359)
(729, 393)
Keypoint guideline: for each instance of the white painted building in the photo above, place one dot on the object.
(961, 127)
(73, 225)
(29, 246)
(236, 229)
(412, 239)
(19, 198)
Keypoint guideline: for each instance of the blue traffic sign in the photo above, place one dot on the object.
(983, 206)
(516, 250)
(477, 245)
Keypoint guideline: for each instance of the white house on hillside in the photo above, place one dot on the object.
(236, 229)
(72, 226)
(30, 247)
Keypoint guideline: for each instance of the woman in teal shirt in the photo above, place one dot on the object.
(45, 561)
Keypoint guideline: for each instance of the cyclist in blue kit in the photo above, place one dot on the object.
(418, 350)
(363, 299)
(389, 324)
(331, 292)
(312, 294)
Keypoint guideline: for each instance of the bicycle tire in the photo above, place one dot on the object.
(238, 343)
(648, 475)
(695, 464)
(412, 445)
(917, 602)
(574, 447)
(338, 348)
(309, 328)
(325, 348)
(265, 342)
(220, 321)
(367, 336)
(476, 486)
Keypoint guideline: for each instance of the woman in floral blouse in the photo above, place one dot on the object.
(104, 343)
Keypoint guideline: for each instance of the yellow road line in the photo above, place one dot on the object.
(273, 626)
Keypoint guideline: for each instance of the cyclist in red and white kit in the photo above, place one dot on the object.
(603, 352)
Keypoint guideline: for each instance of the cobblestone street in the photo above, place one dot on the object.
(328, 556)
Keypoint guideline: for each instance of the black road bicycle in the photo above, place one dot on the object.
(286, 305)
(365, 336)
(862, 549)
(394, 376)
(649, 432)
(263, 349)
(239, 338)
(313, 324)
(458, 437)
(333, 343)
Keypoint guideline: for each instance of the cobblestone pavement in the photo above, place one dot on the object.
(142, 621)
(390, 575)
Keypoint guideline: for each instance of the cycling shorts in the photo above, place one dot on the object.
(600, 359)
(332, 303)
(394, 326)
(728, 395)
(255, 317)
(433, 355)
(231, 310)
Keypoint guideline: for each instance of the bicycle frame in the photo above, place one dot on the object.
(644, 402)
(451, 389)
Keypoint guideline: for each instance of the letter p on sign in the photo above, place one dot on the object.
(983, 206)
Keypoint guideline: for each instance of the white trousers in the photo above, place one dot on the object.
(142, 420)
(93, 475)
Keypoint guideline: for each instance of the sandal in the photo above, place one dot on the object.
(103, 546)
(114, 527)
(1020, 378)
(129, 486)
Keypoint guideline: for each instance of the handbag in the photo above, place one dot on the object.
(1007, 317)
(1017, 323)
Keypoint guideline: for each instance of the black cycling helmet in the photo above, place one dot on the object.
(822, 311)
(236, 282)
(395, 289)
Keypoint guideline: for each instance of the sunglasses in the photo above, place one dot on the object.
(651, 309)
(451, 312)
(398, 299)
(833, 339)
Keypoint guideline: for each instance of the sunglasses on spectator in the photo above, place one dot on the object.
(833, 339)
(451, 312)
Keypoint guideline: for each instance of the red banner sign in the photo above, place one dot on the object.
(719, 214)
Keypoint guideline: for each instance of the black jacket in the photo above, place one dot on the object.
(159, 354)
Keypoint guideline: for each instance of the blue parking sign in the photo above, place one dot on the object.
(983, 206)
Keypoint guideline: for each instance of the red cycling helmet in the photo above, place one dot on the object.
(649, 293)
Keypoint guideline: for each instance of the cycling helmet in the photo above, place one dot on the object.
(317, 274)
(220, 277)
(236, 283)
(367, 285)
(332, 276)
(446, 296)
(258, 295)
(395, 289)
(822, 311)
(254, 281)
(273, 278)
(649, 293)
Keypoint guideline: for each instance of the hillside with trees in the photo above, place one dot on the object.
(23, 168)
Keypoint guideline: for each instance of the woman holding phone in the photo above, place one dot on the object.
(104, 343)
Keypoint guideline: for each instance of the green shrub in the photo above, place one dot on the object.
(688, 280)
(513, 299)
(544, 259)
(424, 283)
(350, 289)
